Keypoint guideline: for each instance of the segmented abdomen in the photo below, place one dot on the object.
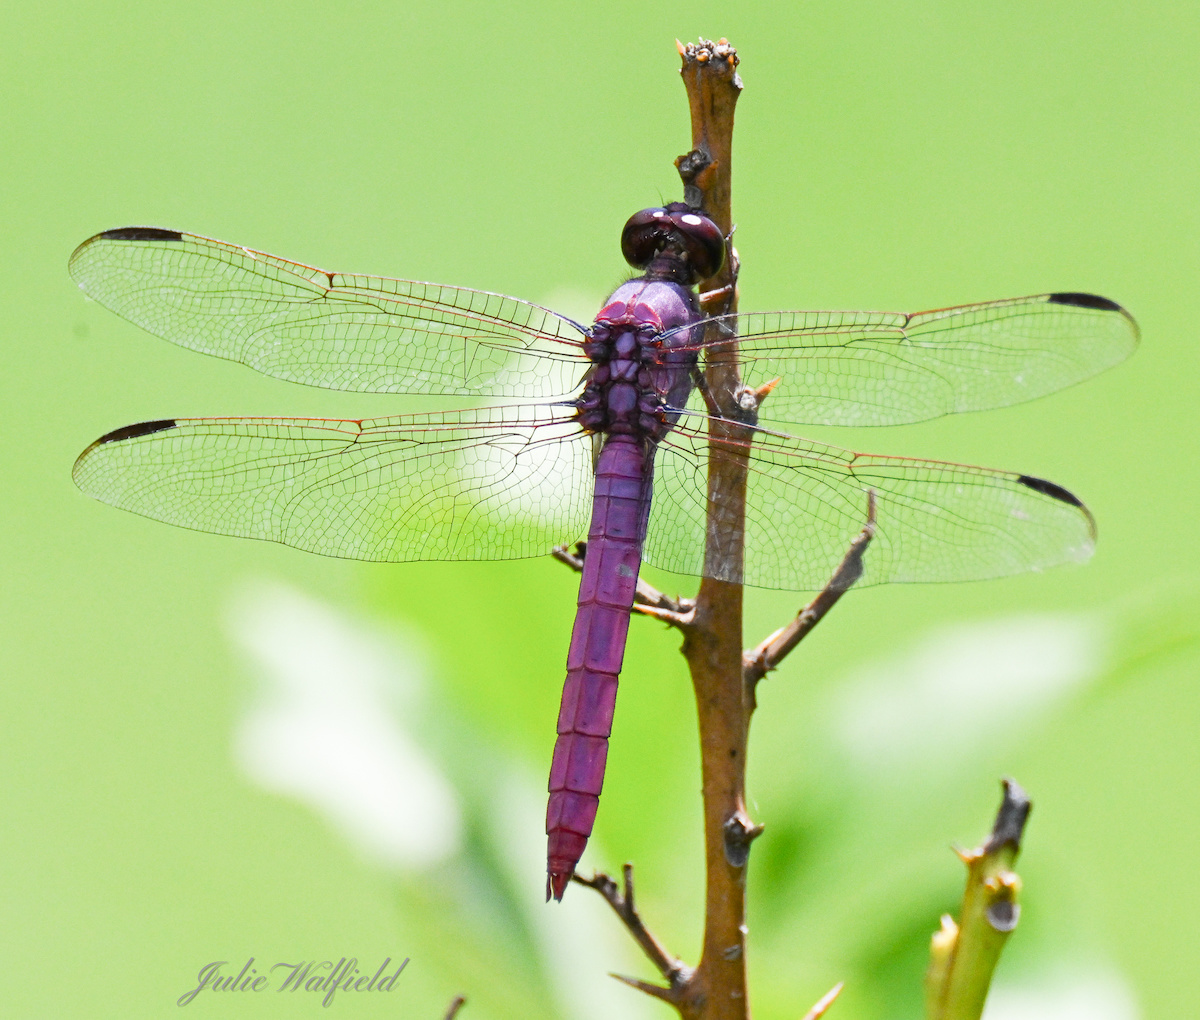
(620, 509)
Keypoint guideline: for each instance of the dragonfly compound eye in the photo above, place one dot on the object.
(645, 234)
(703, 242)
(676, 228)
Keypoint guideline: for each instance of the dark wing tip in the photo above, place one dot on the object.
(1086, 301)
(1050, 489)
(1063, 496)
(144, 428)
(139, 234)
(1101, 304)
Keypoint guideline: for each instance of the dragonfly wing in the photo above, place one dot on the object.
(489, 484)
(806, 501)
(890, 368)
(340, 331)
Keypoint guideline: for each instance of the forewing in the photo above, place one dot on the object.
(806, 501)
(889, 368)
(340, 331)
(490, 484)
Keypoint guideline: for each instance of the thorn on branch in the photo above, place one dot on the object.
(765, 389)
(656, 991)
(824, 1002)
(772, 650)
(674, 971)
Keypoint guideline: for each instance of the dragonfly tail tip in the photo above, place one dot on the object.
(556, 884)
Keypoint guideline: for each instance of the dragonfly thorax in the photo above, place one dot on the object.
(642, 360)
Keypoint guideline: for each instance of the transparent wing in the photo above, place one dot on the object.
(495, 483)
(340, 331)
(806, 501)
(889, 368)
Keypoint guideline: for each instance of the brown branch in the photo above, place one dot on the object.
(674, 971)
(455, 1006)
(710, 76)
(773, 649)
(712, 625)
(713, 645)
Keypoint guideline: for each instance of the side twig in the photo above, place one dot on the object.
(963, 954)
(457, 1004)
(773, 649)
(673, 970)
(648, 600)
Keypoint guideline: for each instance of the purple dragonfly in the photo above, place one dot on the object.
(620, 407)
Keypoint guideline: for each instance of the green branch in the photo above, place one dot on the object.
(963, 954)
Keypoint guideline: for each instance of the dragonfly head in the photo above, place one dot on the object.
(686, 244)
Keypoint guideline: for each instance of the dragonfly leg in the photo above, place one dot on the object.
(718, 294)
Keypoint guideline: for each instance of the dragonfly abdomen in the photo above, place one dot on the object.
(620, 509)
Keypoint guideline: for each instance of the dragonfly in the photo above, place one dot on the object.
(598, 430)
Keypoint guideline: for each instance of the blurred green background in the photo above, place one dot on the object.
(160, 699)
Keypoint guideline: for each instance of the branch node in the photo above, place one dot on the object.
(1003, 915)
(698, 172)
(1010, 819)
(739, 833)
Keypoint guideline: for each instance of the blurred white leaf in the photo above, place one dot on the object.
(1088, 995)
(959, 686)
(331, 724)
